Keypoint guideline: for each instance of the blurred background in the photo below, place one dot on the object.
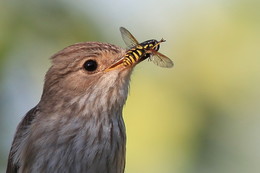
(202, 116)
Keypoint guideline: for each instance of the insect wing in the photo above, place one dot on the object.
(128, 38)
(161, 60)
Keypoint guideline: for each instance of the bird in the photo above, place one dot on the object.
(77, 126)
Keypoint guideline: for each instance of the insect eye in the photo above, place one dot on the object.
(90, 65)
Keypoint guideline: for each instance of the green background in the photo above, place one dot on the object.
(202, 116)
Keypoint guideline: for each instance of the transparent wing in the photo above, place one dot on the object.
(161, 60)
(128, 38)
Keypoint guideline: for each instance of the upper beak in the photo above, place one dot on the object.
(117, 64)
(121, 64)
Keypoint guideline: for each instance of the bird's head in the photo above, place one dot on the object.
(87, 73)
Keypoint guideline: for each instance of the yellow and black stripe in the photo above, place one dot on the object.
(133, 55)
(136, 53)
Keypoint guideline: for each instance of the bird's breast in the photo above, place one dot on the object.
(77, 144)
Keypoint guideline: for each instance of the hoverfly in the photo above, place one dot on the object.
(140, 51)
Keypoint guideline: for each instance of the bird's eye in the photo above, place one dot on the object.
(90, 65)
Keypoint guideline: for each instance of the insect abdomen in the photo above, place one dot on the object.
(133, 55)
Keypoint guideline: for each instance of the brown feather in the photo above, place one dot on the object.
(77, 125)
(13, 167)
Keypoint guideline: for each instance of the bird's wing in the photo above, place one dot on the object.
(13, 167)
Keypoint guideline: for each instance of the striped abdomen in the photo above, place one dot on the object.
(133, 55)
(140, 51)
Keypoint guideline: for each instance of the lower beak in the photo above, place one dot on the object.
(124, 63)
(119, 63)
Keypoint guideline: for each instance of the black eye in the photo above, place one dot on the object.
(90, 65)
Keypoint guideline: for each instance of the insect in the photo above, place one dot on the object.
(140, 51)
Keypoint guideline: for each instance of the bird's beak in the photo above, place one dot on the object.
(119, 64)
(116, 64)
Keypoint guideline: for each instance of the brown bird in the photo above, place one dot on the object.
(77, 126)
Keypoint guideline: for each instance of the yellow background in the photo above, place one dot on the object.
(202, 116)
